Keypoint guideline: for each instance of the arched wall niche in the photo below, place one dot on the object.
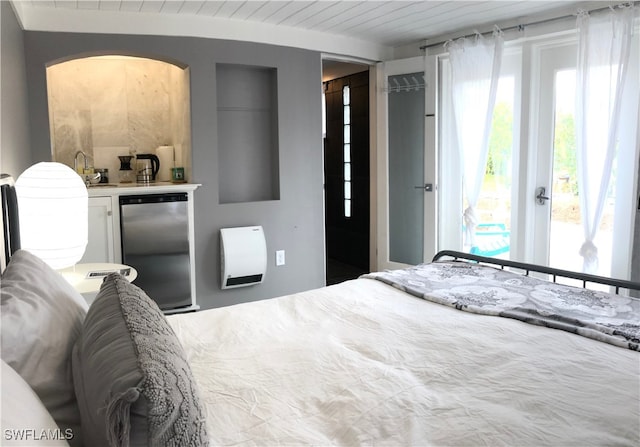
(108, 104)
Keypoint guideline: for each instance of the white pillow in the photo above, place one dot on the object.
(25, 420)
(41, 317)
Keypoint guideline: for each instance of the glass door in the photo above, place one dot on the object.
(558, 231)
(565, 227)
(405, 95)
(556, 200)
(406, 165)
(497, 201)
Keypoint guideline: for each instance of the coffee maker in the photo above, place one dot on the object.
(125, 174)
(147, 167)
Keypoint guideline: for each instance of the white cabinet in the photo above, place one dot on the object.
(100, 244)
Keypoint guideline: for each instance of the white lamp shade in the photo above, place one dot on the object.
(53, 209)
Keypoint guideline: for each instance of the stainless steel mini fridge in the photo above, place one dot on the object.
(155, 241)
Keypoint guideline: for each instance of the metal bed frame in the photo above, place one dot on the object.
(10, 228)
(526, 268)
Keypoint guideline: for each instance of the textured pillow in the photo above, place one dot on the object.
(25, 420)
(41, 316)
(132, 379)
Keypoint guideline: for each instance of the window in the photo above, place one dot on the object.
(346, 102)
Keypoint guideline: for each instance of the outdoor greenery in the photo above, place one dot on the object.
(499, 158)
(500, 141)
(564, 162)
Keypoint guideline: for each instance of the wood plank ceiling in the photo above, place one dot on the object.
(388, 23)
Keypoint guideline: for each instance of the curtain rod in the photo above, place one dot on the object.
(521, 27)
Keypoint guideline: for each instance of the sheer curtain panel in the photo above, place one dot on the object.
(603, 56)
(475, 69)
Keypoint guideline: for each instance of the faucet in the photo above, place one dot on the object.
(75, 162)
(86, 175)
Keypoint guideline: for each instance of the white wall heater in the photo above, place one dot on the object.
(243, 256)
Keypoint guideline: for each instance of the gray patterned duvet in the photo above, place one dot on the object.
(490, 291)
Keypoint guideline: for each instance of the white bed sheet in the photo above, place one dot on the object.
(361, 363)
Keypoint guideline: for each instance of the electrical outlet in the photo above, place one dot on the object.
(280, 257)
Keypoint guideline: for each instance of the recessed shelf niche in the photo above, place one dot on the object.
(248, 156)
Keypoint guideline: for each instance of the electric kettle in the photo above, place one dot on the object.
(147, 167)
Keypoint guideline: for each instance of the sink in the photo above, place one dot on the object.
(98, 185)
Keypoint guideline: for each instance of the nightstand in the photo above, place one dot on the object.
(87, 278)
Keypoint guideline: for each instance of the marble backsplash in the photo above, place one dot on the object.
(113, 105)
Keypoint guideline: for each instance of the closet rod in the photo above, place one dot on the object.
(521, 27)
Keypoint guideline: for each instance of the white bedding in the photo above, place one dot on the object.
(363, 363)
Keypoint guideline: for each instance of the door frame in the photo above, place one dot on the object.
(373, 148)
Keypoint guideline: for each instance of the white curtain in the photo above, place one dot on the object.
(475, 70)
(603, 55)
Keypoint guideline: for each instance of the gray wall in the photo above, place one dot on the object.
(295, 222)
(15, 154)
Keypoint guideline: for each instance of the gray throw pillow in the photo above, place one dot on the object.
(41, 317)
(131, 376)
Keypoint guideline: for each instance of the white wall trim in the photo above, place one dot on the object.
(140, 23)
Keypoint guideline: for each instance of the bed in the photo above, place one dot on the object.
(460, 351)
(366, 363)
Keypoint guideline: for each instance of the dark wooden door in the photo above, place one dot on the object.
(347, 197)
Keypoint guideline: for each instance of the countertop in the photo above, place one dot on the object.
(111, 189)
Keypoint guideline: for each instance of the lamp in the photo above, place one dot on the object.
(53, 209)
